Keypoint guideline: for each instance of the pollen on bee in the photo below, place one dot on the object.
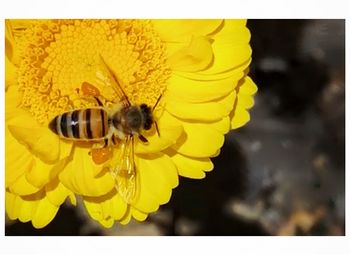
(101, 155)
(89, 89)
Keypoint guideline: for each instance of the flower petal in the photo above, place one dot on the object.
(240, 116)
(233, 31)
(223, 125)
(10, 73)
(199, 91)
(44, 214)
(237, 72)
(127, 217)
(11, 49)
(209, 111)
(228, 56)
(248, 87)
(56, 192)
(118, 207)
(79, 175)
(158, 176)
(22, 187)
(169, 128)
(35, 207)
(197, 55)
(103, 208)
(172, 30)
(16, 208)
(107, 223)
(12, 102)
(190, 167)
(138, 215)
(37, 140)
(41, 173)
(17, 159)
(199, 140)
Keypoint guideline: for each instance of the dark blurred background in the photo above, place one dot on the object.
(281, 174)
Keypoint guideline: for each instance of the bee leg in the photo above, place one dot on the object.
(155, 123)
(143, 139)
(114, 139)
(98, 101)
(106, 143)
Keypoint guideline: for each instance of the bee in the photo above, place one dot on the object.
(117, 125)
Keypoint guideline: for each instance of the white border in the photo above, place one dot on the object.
(310, 9)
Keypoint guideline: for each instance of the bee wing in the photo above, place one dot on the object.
(124, 170)
(106, 75)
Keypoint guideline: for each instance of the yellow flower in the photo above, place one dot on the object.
(201, 68)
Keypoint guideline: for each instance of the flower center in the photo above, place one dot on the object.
(59, 55)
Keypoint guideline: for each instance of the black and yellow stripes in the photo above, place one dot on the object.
(86, 124)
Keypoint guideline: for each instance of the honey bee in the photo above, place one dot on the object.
(117, 125)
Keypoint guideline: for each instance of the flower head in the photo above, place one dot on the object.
(199, 67)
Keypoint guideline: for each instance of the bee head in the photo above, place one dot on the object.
(147, 116)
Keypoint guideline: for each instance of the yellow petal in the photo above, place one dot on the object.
(37, 140)
(27, 129)
(22, 187)
(79, 176)
(239, 117)
(10, 73)
(233, 31)
(107, 208)
(158, 176)
(228, 56)
(199, 140)
(17, 208)
(44, 214)
(12, 101)
(72, 199)
(191, 167)
(207, 75)
(169, 129)
(41, 173)
(194, 57)
(209, 111)
(248, 87)
(199, 91)
(35, 207)
(94, 209)
(11, 48)
(180, 30)
(127, 217)
(17, 159)
(107, 223)
(223, 125)
(56, 192)
(118, 207)
(10, 205)
(138, 215)
(246, 101)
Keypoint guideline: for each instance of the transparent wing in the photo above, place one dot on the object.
(124, 170)
(105, 75)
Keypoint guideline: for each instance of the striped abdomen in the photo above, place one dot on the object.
(85, 124)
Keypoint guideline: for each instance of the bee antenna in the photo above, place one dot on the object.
(155, 105)
(115, 79)
(157, 129)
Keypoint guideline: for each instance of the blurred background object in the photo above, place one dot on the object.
(281, 174)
